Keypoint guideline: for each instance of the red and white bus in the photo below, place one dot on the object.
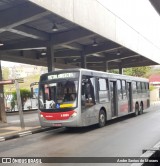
(82, 97)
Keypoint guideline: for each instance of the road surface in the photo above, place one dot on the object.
(125, 137)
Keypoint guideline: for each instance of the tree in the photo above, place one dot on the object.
(25, 94)
(115, 71)
(137, 71)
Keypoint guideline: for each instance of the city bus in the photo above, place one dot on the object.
(82, 97)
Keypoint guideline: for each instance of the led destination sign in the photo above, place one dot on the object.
(62, 75)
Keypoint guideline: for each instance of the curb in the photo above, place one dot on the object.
(28, 132)
(148, 153)
(24, 112)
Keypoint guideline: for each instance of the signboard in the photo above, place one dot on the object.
(5, 82)
(62, 75)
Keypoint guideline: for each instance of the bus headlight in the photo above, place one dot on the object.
(74, 114)
(41, 116)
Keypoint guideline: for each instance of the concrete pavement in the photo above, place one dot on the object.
(12, 129)
(123, 137)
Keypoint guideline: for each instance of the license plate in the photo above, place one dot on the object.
(57, 124)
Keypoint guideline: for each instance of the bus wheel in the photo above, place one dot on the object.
(141, 109)
(136, 110)
(102, 118)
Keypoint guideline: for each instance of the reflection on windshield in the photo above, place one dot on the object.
(58, 95)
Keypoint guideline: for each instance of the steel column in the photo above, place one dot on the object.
(2, 104)
(83, 60)
(50, 58)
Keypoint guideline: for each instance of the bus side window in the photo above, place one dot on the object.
(134, 87)
(139, 89)
(124, 89)
(143, 87)
(103, 90)
(88, 91)
(119, 89)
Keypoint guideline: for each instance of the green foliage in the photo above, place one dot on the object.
(115, 71)
(25, 93)
(137, 71)
(151, 87)
(26, 85)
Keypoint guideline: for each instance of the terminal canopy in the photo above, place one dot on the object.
(28, 30)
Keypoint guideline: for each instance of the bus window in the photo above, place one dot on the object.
(124, 89)
(119, 89)
(88, 91)
(143, 87)
(134, 87)
(103, 90)
(57, 95)
(139, 87)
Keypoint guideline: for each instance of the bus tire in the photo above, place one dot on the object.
(102, 118)
(136, 110)
(141, 109)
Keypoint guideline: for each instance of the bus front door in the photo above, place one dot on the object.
(113, 92)
(129, 96)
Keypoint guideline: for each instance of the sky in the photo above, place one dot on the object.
(9, 64)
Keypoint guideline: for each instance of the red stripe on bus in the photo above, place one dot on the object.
(124, 107)
(57, 115)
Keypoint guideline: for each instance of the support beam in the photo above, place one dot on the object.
(83, 60)
(73, 46)
(67, 54)
(89, 50)
(71, 36)
(16, 57)
(50, 58)
(105, 66)
(29, 32)
(19, 15)
(120, 68)
(2, 105)
(58, 39)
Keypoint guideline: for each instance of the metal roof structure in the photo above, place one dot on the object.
(26, 30)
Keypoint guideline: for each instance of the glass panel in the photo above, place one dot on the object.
(134, 87)
(124, 89)
(57, 95)
(139, 87)
(102, 84)
(88, 91)
(119, 89)
(103, 90)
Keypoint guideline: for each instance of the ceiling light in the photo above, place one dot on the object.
(1, 43)
(43, 53)
(54, 28)
(94, 43)
(118, 53)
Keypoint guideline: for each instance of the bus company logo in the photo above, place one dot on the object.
(6, 160)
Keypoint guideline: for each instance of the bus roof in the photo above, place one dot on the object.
(110, 75)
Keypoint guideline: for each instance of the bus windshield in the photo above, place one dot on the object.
(58, 94)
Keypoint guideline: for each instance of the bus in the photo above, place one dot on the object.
(82, 97)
